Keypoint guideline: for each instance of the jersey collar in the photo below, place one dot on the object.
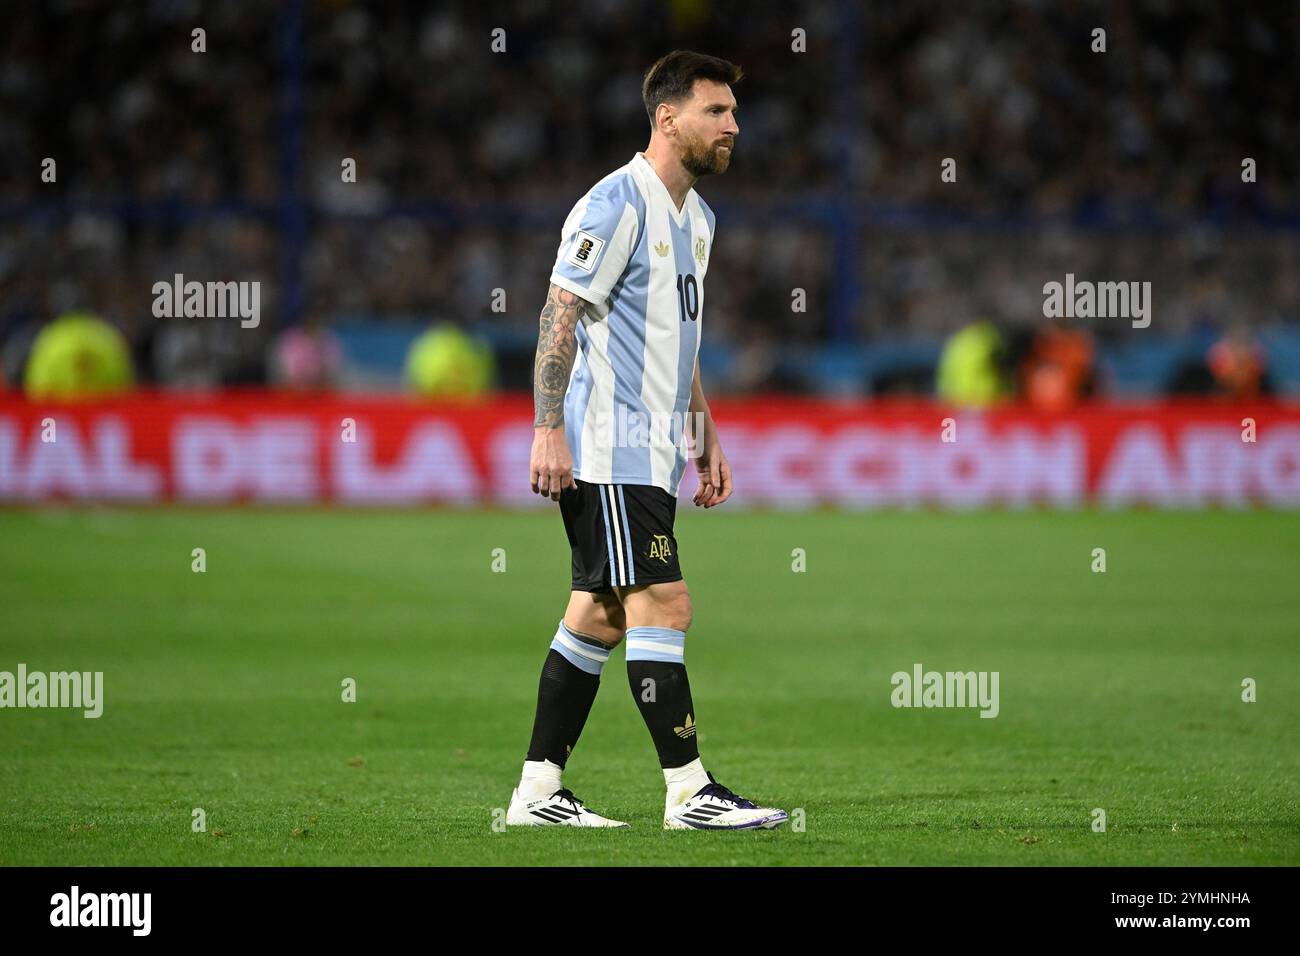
(648, 173)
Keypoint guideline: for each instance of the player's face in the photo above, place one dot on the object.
(707, 129)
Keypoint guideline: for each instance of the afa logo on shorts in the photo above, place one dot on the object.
(659, 548)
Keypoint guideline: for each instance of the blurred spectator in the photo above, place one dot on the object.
(444, 362)
(1058, 374)
(78, 356)
(1237, 364)
(306, 357)
(971, 369)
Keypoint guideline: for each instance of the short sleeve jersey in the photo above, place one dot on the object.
(639, 262)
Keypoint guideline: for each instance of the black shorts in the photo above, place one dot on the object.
(621, 535)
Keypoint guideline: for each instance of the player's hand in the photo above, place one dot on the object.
(715, 476)
(550, 467)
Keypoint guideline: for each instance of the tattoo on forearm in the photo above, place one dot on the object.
(557, 345)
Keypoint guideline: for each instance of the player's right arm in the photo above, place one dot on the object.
(550, 465)
(595, 245)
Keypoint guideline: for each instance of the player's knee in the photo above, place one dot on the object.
(596, 630)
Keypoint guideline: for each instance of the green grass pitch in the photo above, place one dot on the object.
(1119, 691)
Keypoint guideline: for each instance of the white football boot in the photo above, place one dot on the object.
(714, 807)
(560, 809)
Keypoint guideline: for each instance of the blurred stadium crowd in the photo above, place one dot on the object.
(225, 165)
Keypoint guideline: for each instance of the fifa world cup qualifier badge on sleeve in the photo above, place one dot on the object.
(586, 250)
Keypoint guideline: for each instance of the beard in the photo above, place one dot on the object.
(703, 159)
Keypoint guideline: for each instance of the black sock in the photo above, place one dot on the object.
(565, 695)
(663, 695)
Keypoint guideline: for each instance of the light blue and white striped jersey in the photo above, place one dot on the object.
(640, 263)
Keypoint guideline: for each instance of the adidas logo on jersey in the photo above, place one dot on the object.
(661, 248)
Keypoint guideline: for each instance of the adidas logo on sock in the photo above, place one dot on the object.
(688, 730)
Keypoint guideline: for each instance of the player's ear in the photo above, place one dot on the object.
(665, 118)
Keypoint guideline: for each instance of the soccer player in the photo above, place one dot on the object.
(617, 390)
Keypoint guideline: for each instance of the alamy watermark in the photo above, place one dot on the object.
(632, 428)
(208, 300)
(75, 908)
(84, 690)
(922, 688)
(1100, 300)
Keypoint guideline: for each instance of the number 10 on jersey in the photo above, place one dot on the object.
(688, 297)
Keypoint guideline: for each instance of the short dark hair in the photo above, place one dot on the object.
(672, 78)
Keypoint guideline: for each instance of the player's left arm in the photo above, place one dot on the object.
(710, 463)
